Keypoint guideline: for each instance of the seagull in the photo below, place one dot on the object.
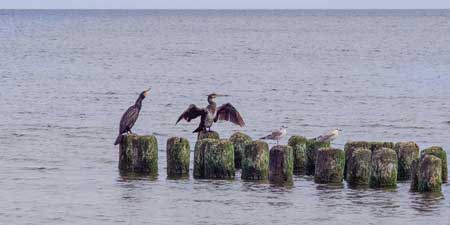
(330, 136)
(276, 134)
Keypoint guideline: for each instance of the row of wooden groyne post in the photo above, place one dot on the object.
(376, 164)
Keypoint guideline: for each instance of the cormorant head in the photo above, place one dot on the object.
(212, 97)
(145, 93)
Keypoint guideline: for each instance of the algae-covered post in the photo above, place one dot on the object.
(214, 159)
(239, 140)
(375, 145)
(329, 165)
(384, 168)
(358, 166)
(312, 146)
(138, 154)
(349, 148)
(255, 161)
(415, 175)
(440, 153)
(407, 152)
(281, 164)
(430, 174)
(207, 134)
(298, 144)
(178, 157)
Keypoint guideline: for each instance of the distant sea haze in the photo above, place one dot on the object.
(66, 77)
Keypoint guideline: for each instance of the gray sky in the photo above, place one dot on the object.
(225, 4)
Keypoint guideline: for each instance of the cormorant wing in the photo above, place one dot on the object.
(128, 118)
(191, 112)
(229, 113)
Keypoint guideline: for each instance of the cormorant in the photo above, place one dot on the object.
(276, 134)
(130, 117)
(210, 115)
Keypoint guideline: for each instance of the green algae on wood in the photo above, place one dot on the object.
(178, 157)
(440, 153)
(329, 166)
(214, 159)
(207, 134)
(281, 164)
(138, 154)
(358, 166)
(383, 168)
(407, 152)
(349, 148)
(239, 140)
(255, 161)
(298, 144)
(312, 146)
(430, 174)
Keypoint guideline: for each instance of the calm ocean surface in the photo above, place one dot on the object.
(67, 76)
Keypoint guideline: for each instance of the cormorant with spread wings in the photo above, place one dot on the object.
(212, 114)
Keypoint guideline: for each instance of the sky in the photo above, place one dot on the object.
(224, 4)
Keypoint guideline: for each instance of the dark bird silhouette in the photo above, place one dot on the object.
(130, 117)
(210, 115)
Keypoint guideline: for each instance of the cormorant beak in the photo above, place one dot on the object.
(146, 92)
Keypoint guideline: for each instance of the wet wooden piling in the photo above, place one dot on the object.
(255, 161)
(440, 153)
(281, 164)
(138, 154)
(383, 168)
(214, 159)
(239, 140)
(430, 174)
(178, 157)
(329, 166)
(407, 152)
(358, 166)
(207, 134)
(298, 145)
(312, 146)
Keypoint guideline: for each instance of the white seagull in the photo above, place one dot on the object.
(330, 136)
(276, 134)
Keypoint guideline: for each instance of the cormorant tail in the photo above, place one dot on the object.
(198, 129)
(118, 139)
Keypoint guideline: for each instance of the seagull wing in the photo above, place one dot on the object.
(191, 112)
(229, 113)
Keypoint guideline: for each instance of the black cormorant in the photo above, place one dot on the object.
(130, 117)
(209, 115)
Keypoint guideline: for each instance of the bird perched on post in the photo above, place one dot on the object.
(276, 134)
(330, 136)
(130, 116)
(212, 114)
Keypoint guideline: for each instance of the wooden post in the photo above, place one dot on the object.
(358, 166)
(329, 166)
(312, 146)
(214, 159)
(255, 161)
(440, 153)
(239, 140)
(430, 174)
(178, 157)
(207, 134)
(281, 164)
(384, 168)
(138, 154)
(298, 145)
(407, 152)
